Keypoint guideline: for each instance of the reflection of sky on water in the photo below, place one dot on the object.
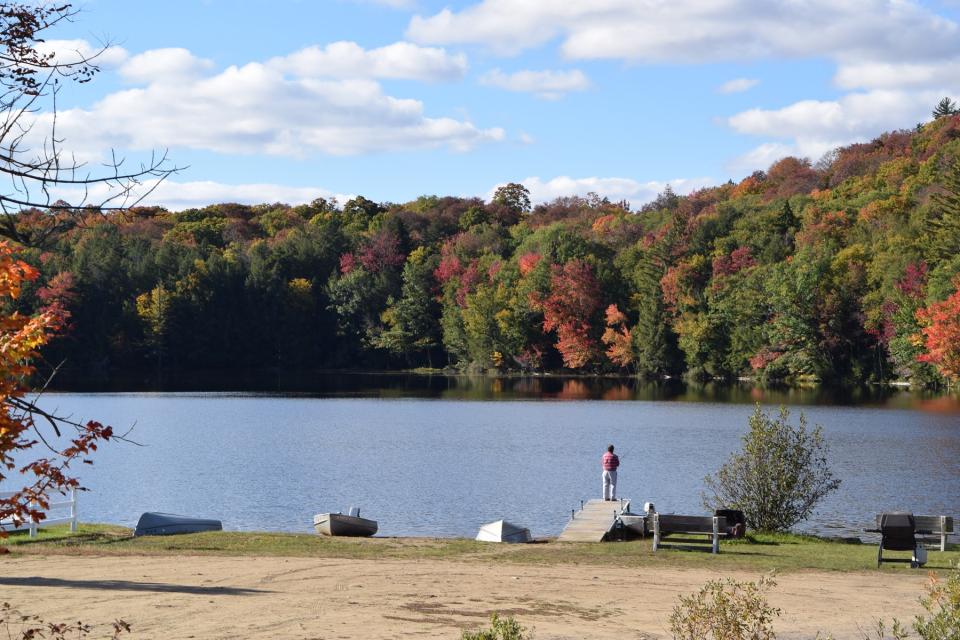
(442, 467)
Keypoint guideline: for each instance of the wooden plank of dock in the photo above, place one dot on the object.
(593, 521)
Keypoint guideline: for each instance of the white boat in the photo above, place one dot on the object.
(635, 524)
(340, 524)
(503, 531)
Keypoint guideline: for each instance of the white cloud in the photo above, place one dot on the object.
(401, 60)
(184, 195)
(549, 85)
(637, 193)
(899, 75)
(764, 155)
(176, 196)
(164, 65)
(255, 109)
(738, 85)
(813, 127)
(900, 56)
(698, 31)
(852, 115)
(74, 51)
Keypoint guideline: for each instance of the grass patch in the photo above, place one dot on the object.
(759, 552)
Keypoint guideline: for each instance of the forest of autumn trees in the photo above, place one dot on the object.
(843, 271)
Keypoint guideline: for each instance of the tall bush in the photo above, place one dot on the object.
(725, 610)
(778, 477)
(942, 604)
(942, 618)
(500, 629)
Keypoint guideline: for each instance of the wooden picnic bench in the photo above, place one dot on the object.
(932, 531)
(713, 527)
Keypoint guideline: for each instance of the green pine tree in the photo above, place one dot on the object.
(946, 107)
(944, 225)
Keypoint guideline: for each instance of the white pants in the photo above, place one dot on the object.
(610, 484)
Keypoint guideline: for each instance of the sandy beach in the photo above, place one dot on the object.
(311, 598)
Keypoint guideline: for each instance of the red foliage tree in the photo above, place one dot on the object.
(574, 298)
(914, 280)
(739, 259)
(528, 262)
(381, 251)
(448, 268)
(468, 280)
(762, 359)
(790, 176)
(348, 262)
(494, 269)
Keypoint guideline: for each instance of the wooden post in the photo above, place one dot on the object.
(73, 510)
(656, 532)
(716, 535)
(943, 533)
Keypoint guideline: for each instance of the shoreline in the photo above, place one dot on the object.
(756, 552)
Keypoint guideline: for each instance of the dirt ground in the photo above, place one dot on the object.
(243, 597)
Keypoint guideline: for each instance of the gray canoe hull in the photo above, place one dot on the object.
(339, 524)
(168, 524)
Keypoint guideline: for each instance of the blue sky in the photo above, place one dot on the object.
(290, 100)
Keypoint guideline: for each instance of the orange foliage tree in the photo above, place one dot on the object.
(940, 335)
(618, 337)
(22, 423)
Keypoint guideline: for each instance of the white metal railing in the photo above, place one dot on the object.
(54, 515)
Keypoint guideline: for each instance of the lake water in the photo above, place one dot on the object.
(434, 461)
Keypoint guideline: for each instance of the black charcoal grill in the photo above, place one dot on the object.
(898, 532)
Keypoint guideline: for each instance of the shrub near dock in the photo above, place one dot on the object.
(778, 477)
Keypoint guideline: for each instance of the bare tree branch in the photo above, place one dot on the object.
(33, 159)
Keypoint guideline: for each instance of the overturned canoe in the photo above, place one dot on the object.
(167, 524)
(339, 524)
(503, 531)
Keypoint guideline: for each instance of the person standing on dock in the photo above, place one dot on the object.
(610, 462)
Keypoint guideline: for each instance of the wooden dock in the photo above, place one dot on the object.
(593, 521)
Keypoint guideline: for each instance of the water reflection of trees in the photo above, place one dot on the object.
(482, 387)
(574, 389)
(618, 392)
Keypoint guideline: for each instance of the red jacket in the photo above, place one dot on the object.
(610, 461)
